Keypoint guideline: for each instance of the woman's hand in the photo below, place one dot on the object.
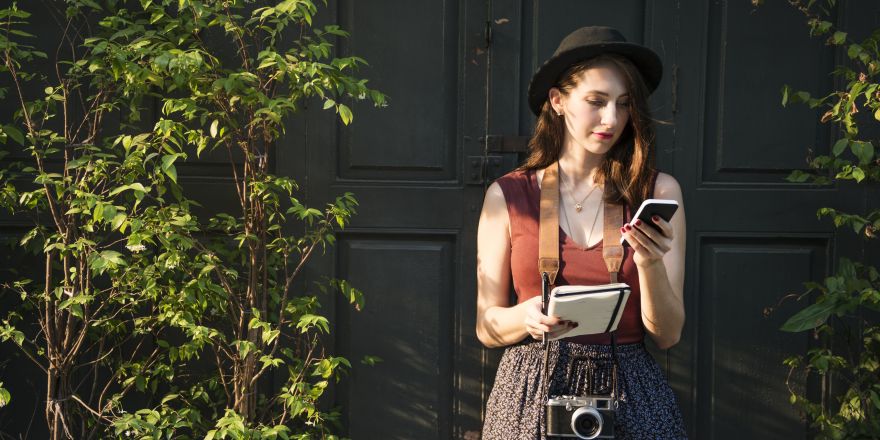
(649, 243)
(538, 323)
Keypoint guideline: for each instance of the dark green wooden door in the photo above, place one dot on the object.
(411, 246)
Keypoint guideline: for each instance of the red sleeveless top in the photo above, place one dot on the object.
(577, 265)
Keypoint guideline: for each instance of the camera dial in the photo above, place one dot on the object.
(586, 423)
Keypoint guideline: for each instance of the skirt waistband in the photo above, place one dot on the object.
(601, 351)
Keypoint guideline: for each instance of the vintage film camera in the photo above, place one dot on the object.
(585, 417)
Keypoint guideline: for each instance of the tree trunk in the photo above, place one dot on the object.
(57, 393)
(245, 392)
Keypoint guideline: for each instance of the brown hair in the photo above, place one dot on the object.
(627, 168)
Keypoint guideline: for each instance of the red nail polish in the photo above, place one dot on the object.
(623, 229)
(638, 222)
(656, 219)
(628, 227)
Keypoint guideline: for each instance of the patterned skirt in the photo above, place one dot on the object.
(646, 406)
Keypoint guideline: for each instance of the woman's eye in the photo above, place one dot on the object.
(597, 103)
(625, 104)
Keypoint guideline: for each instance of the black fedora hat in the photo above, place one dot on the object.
(588, 42)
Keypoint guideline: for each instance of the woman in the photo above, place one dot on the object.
(591, 103)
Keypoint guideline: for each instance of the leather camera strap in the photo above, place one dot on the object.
(548, 230)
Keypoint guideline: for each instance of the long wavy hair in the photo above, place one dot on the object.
(627, 167)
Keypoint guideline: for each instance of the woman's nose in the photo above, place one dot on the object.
(609, 115)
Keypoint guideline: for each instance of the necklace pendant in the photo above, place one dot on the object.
(578, 207)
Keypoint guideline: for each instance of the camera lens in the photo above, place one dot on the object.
(586, 423)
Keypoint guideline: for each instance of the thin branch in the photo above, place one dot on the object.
(90, 409)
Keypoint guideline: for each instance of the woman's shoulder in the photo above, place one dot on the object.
(517, 175)
(667, 187)
(515, 182)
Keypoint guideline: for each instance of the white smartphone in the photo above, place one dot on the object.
(664, 208)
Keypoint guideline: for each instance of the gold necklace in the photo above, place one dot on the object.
(578, 206)
(570, 231)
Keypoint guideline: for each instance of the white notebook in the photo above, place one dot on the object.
(596, 309)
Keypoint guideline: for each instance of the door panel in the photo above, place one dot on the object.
(411, 48)
(410, 247)
(739, 343)
(749, 137)
(407, 323)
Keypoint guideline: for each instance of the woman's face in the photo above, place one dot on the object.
(596, 111)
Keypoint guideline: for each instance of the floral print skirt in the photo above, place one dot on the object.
(646, 405)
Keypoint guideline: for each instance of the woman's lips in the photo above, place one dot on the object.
(603, 136)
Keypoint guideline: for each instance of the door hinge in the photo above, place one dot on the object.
(497, 143)
(482, 169)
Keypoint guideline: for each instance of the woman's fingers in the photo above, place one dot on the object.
(655, 232)
(558, 330)
(537, 326)
(648, 237)
(637, 239)
(561, 331)
(544, 327)
(665, 226)
(538, 323)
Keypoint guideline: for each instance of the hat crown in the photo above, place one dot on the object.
(585, 43)
(589, 35)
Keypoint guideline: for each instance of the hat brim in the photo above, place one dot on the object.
(646, 60)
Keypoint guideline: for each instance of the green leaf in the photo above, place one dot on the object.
(109, 212)
(214, 126)
(118, 221)
(798, 176)
(5, 397)
(838, 37)
(309, 320)
(14, 133)
(874, 399)
(864, 151)
(858, 174)
(168, 160)
(810, 317)
(854, 51)
(91, 4)
(371, 360)
(345, 114)
(168, 166)
(840, 146)
(98, 212)
(877, 114)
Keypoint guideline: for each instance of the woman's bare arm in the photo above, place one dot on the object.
(660, 257)
(498, 323)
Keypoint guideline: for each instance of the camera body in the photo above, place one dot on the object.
(584, 417)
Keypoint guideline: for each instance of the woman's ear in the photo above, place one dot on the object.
(557, 100)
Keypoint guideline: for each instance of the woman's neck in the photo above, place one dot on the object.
(578, 164)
